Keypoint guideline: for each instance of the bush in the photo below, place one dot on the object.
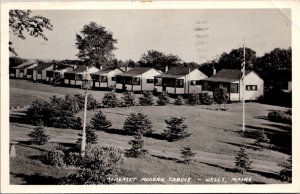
(54, 158)
(90, 135)
(280, 116)
(242, 161)
(286, 172)
(193, 99)
(179, 101)
(91, 102)
(187, 155)
(136, 150)
(163, 99)
(38, 136)
(73, 158)
(176, 129)
(99, 165)
(147, 99)
(206, 99)
(220, 96)
(110, 100)
(262, 140)
(66, 122)
(128, 99)
(38, 112)
(100, 122)
(138, 124)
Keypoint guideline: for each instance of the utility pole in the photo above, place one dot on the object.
(243, 83)
(83, 141)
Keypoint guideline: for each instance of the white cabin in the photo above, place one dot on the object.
(105, 78)
(39, 72)
(58, 72)
(75, 77)
(21, 70)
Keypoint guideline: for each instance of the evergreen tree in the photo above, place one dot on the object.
(110, 100)
(90, 135)
(38, 136)
(146, 99)
(163, 99)
(179, 101)
(176, 129)
(99, 121)
(262, 139)
(286, 172)
(194, 99)
(242, 161)
(138, 124)
(187, 155)
(128, 99)
(136, 149)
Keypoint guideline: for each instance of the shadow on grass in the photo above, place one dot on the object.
(38, 179)
(29, 145)
(221, 167)
(265, 174)
(262, 118)
(242, 145)
(16, 118)
(282, 126)
(167, 158)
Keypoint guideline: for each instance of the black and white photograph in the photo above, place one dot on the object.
(148, 96)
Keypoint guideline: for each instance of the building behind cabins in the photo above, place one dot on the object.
(20, 71)
(75, 77)
(230, 80)
(105, 78)
(57, 74)
(39, 72)
(137, 79)
(179, 80)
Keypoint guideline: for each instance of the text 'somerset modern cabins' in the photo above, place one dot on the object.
(75, 77)
(39, 72)
(180, 80)
(230, 80)
(137, 79)
(105, 78)
(21, 70)
(56, 75)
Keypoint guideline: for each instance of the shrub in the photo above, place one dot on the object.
(100, 164)
(110, 100)
(38, 112)
(90, 135)
(38, 136)
(193, 99)
(54, 158)
(179, 101)
(262, 140)
(242, 161)
(220, 96)
(289, 111)
(100, 122)
(146, 99)
(163, 99)
(136, 150)
(128, 99)
(176, 129)
(206, 99)
(280, 116)
(286, 172)
(91, 102)
(66, 122)
(138, 124)
(73, 158)
(187, 155)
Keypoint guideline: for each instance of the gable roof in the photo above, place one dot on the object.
(81, 69)
(42, 66)
(106, 70)
(227, 75)
(62, 66)
(25, 65)
(136, 71)
(176, 72)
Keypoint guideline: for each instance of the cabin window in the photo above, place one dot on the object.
(39, 72)
(128, 80)
(95, 77)
(234, 88)
(29, 71)
(179, 83)
(158, 81)
(119, 79)
(150, 81)
(49, 74)
(22, 71)
(113, 78)
(136, 81)
(103, 79)
(195, 83)
(251, 87)
(78, 77)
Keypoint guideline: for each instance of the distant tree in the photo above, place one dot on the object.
(137, 147)
(286, 172)
(91, 136)
(15, 61)
(193, 99)
(128, 99)
(262, 140)
(187, 155)
(159, 60)
(176, 129)
(179, 101)
(130, 63)
(146, 99)
(242, 161)
(220, 96)
(100, 122)
(95, 44)
(138, 124)
(38, 136)
(163, 99)
(208, 67)
(110, 100)
(91, 101)
(22, 20)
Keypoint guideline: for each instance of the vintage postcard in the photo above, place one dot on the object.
(149, 96)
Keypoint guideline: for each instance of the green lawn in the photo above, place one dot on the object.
(215, 138)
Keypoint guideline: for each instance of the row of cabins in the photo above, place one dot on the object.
(177, 80)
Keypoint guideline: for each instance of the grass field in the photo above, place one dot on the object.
(216, 138)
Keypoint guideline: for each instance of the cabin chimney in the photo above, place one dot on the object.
(166, 68)
(101, 67)
(125, 68)
(214, 70)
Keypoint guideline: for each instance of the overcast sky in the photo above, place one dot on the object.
(169, 31)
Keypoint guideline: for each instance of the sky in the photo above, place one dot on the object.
(168, 31)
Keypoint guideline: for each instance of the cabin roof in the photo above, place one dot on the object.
(81, 69)
(25, 65)
(42, 66)
(136, 71)
(176, 72)
(227, 75)
(106, 70)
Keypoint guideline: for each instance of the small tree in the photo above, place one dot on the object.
(262, 139)
(99, 121)
(242, 161)
(179, 101)
(176, 129)
(220, 96)
(91, 136)
(206, 99)
(163, 99)
(110, 100)
(136, 149)
(38, 136)
(146, 99)
(128, 99)
(286, 172)
(138, 124)
(187, 155)
(194, 99)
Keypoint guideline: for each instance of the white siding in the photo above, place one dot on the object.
(253, 79)
(148, 75)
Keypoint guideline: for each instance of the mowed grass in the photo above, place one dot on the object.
(216, 138)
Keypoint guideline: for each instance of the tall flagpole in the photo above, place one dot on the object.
(83, 140)
(243, 83)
